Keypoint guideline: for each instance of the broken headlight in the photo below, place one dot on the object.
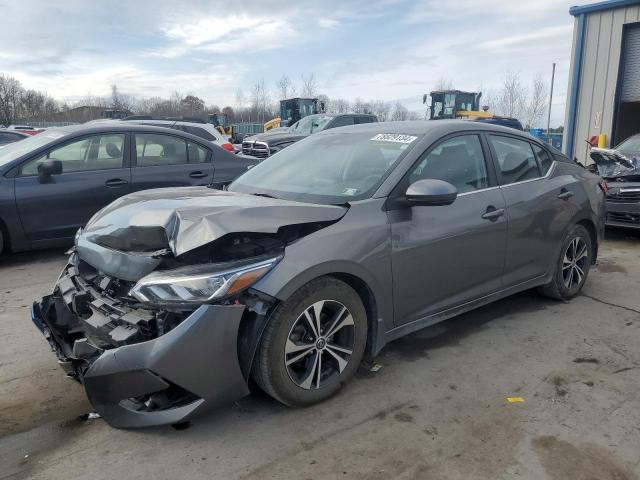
(200, 283)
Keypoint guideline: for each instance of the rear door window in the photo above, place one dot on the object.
(543, 158)
(341, 122)
(516, 160)
(364, 119)
(197, 153)
(154, 149)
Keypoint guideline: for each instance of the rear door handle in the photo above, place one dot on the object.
(198, 174)
(493, 213)
(565, 194)
(115, 182)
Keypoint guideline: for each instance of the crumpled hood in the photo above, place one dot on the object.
(273, 138)
(612, 163)
(182, 219)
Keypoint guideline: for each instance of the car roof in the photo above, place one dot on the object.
(422, 127)
(14, 132)
(117, 126)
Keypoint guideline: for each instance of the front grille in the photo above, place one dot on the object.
(255, 149)
(618, 217)
(629, 196)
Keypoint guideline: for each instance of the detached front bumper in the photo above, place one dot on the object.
(160, 381)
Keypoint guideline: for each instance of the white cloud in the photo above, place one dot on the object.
(328, 23)
(528, 39)
(213, 28)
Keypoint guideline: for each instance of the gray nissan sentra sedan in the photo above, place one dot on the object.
(174, 299)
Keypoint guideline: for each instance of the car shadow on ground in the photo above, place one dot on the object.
(34, 256)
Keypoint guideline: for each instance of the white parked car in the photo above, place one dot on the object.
(194, 127)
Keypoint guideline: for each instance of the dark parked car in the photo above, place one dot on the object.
(52, 183)
(10, 136)
(268, 143)
(173, 300)
(620, 167)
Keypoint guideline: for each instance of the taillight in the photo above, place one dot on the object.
(228, 147)
(604, 186)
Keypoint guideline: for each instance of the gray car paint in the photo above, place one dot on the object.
(378, 244)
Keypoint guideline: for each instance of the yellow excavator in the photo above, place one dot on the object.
(454, 104)
(221, 122)
(464, 105)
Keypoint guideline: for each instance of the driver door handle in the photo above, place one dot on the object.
(565, 194)
(493, 213)
(115, 182)
(198, 174)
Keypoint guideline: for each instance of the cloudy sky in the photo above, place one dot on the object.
(389, 49)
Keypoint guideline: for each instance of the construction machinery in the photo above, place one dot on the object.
(455, 104)
(464, 105)
(221, 122)
(293, 109)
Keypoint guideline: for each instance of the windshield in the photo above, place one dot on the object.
(310, 124)
(17, 149)
(630, 145)
(329, 168)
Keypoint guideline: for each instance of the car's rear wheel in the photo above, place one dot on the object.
(572, 267)
(1, 241)
(313, 343)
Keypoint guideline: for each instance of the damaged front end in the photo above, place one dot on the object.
(622, 173)
(157, 332)
(143, 365)
(613, 164)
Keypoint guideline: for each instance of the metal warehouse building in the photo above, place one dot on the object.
(604, 80)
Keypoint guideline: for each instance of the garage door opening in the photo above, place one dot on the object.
(628, 108)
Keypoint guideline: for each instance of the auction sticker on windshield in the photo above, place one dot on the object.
(394, 137)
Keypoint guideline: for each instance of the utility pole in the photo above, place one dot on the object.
(553, 76)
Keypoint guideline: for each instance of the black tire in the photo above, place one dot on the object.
(1, 241)
(276, 378)
(558, 287)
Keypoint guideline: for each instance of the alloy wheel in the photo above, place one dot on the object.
(574, 263)
(320, 344)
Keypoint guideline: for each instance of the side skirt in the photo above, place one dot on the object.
(432, 319)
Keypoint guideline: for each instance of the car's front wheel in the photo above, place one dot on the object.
(312, 344)
(572, 267)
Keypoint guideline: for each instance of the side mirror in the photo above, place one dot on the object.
(431, 192)
(49, 167)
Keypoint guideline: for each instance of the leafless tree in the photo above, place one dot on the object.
(444, 83)
(260, 100)
(361, 106)
(286, 88)
(537, 103)
(10, 97)
(192, 105)
(512, 98)
(400, 112)
(120, 101)
(309, 86)
(381, 109)
(229, 112)
(338, 105)
(240, 103)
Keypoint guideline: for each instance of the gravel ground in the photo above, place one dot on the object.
(436, 409)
